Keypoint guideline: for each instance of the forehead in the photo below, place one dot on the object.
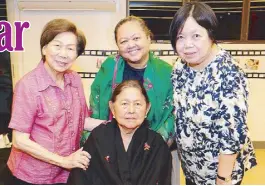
(129, 28)
(191, 26)
(130, 93)
(66, 37)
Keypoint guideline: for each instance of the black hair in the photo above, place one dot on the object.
(203, 15)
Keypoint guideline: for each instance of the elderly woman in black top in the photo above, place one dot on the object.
(126, 151)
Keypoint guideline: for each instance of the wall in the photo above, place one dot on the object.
(98, 28)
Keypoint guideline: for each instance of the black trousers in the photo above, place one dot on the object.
(9, 179)
(4, 121)
(189, 182)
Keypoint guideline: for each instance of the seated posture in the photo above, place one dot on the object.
(125, 150)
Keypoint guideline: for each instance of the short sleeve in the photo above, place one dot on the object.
(24, 108)
(78, 81)
(87, 111)
(233, 113)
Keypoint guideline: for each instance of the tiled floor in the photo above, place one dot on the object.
(255, 176)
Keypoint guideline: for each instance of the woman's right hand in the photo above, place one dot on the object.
(78, 159)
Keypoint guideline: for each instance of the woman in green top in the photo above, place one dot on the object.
(135, 62)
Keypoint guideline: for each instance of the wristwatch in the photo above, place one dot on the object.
(224, 179)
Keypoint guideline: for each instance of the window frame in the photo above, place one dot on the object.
(244, 27)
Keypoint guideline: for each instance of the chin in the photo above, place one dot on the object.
(135, 60)
(131, 126)
(61, 70)
(192, 61)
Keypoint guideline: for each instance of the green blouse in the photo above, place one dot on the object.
(157, 83)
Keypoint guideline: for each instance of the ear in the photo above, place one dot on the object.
(111, 106)
(43, 50)
(148, 108)
(149, 39)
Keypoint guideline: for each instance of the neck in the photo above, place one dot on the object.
(140, 64)
(58, 77)
(126, 135)
(212, 53)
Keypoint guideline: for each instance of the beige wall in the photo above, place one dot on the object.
(98, 28)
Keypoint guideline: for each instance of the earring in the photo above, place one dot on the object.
(113, 116)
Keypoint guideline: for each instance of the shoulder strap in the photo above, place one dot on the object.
(117, 58)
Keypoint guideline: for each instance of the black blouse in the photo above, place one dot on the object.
(131, 73)
(147, 160)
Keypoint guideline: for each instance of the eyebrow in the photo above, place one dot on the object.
(192, 32)
(129, 37)
(130, 100)
(62, 42)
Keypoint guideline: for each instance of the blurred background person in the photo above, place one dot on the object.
(6, 93)
(5, 99)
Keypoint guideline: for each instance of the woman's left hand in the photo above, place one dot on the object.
(222, 182)
(78, 159)
(169, 142)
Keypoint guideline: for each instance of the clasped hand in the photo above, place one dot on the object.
(78, 159)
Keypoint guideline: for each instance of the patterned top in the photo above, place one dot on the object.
(53, 117)
(210, 108)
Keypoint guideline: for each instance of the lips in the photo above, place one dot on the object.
(60, 63)
(130, 119)
(189, 54)
(132, 52)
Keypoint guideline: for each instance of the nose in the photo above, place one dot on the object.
(131, 108)
(188, 43)
(63, 52)
(131, 43)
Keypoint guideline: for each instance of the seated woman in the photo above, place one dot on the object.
(126, 151)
